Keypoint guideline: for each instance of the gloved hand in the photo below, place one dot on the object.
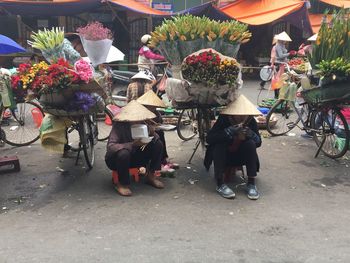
(232, 131)
(292, 53)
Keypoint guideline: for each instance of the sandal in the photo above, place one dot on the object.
(122, 190)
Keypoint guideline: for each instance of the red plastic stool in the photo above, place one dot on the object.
(134, 172)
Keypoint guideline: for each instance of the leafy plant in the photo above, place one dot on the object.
(333, 39)
(335, 68)
(47, 39)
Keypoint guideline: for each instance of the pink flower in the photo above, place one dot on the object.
(84, 70)
(95, 31)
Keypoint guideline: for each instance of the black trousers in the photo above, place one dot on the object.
(245, 155)
(162, 139)
(122, 160)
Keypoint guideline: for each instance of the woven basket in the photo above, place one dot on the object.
(59, 98)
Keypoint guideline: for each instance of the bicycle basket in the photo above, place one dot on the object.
(328, 93)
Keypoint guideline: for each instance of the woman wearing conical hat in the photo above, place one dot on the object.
(151, 101)
(125, 152)
(232, 142)
(279, 54)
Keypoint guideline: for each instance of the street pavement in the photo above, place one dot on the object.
(54, 211)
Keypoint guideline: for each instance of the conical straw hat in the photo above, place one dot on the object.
(283, 36)
(274, 40)
(241, 106)
(313, 37)
(151, 99)
(134, 111)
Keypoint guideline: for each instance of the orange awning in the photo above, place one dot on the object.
(259, 12)
(316, 20)
(338, 3)
(137, 7)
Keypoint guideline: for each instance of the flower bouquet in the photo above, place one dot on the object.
(49, 42)
(181, 36)
(214, 77)
(57, 85)
(97, 41)
(333, 39)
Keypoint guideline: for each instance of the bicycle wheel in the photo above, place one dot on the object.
(330, 132)
(22, 128)
(282, 118)
(104, 125)
(187, 124)
(87, 139)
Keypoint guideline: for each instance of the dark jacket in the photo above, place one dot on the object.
(120, 138)
(217, 134)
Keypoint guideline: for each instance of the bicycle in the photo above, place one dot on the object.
(195, 120)
(88, 131)
(21, 127)
(320, 120)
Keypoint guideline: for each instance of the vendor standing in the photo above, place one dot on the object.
(124, 152)
(233, 141)
(279, 54)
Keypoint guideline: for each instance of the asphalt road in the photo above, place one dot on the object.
(54, 211)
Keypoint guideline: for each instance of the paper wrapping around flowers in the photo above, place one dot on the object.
(97, 51)
(52, 55)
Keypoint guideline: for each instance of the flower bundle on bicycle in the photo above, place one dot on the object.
(331, 59)
(181, 36)
(59, 86)
(214, 78)
(66, 86)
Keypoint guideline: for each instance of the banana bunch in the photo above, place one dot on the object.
(47, 39)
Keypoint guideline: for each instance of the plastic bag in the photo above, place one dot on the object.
(53, 133)
(277, 81)
(178, 90)
(288, 91)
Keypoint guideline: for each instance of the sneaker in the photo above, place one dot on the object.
(225, 191)
(252, 192)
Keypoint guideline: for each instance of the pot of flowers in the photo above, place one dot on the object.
(97, 41)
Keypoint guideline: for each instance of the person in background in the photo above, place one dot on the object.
(233, 141)
(306, 49)
(146, 56)
(272, 60)
(141, 82)
(124, 152)
(279, 54)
